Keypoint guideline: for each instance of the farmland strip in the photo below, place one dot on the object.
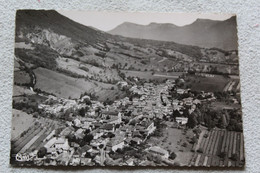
(201, 160)
(234, 143)
(218, 148)
(214, 161)
(200, 140)
(29, 144)
(230, 145)
(227, 86)
(205, 161)
(229, 163)
(21, 139)
(238, 146)
(224, 141)
(241, 147)
(221, 163)
(202, 145)
(227, 142)
(207, 142)
(211, 141)
(194, 159)
(217, 162)
(209, 161)
(197, 160)
(39, 141)
(22, 144)
(217, 141)
(226, 162)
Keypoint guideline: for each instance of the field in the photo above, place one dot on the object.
(173, 140)
(223, 105)
(20, 122)
(220, 148)
(149, 75)
(21, 77)
(232, 85)
(207, 84)
(87, 70)
(66, 86)
(33, 136)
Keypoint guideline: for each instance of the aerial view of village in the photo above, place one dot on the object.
(156, 94)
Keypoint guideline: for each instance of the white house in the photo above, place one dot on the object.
(116, 143)
(97, 133)
(130, 162)
(182, 120)
(150, 128)
(57, 144)
(77, 122)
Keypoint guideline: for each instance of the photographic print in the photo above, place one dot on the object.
(126, 89)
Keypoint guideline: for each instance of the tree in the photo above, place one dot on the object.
(222, 155)
(101, 146)
(87, 131)
(110, 134)
(133, 122)
(119, 150)
(172, 156)
(194, 140)
(87, 138)
(234, 157)
(184, 144)
(42, 152)
(192, 121)
(87, 101)
(82, 112)
(200, 150)
(117, 126)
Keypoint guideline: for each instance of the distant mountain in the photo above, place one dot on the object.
(202, 32)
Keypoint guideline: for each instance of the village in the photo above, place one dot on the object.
(88, 132)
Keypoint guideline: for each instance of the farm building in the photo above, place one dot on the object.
(160, 151)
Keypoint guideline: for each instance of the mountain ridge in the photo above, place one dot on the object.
(202, 32)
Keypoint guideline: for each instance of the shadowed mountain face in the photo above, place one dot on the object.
(202, 32)
(57, 23)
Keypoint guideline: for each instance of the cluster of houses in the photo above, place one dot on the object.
(89, 139)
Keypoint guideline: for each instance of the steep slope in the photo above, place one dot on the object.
(202, 32)
(52, 20)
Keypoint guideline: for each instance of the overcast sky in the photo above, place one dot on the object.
(106, 21)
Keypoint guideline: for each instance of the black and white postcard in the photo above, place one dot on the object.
(126, 89)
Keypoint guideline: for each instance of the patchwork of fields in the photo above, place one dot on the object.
(65, 86)
(219, 148)
(232, 85)
(160, 76)
(207, 84)
(34, 137)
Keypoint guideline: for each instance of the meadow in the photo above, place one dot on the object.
(68, 87)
